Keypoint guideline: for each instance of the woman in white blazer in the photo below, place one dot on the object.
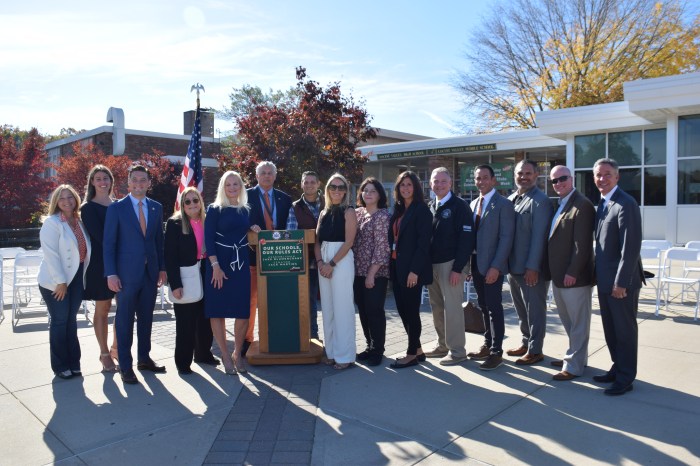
(66, 247)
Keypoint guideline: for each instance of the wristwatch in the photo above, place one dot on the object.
(331, 263)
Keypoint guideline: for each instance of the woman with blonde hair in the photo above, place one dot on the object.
(99, 194)
(227, 285)
(335, 235)
(184, 247)
(66, 247)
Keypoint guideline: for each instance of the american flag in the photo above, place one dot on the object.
(192, 171)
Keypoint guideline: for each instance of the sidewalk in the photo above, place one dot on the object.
(315, 415)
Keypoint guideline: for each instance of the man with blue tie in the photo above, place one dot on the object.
(134, 266)
(269, 209)
(618, 239)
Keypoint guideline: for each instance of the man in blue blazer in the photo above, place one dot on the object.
(134, 267)
(494, 222)
(269, 209)
(618, 237)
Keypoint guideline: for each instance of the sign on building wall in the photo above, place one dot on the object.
(436, 151)
(503, 172)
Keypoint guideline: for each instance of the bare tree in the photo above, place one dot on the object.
(534, 55)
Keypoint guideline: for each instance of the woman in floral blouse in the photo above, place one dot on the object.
(372, 252)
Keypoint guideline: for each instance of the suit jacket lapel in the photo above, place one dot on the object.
(564, 211)
(488, 208)
(406, 216)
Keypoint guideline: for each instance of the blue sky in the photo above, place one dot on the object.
(63, 64)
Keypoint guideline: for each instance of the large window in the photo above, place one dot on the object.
(689, 159)
(642, 159)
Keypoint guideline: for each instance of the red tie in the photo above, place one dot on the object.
(142, 218)
(268, 213)
(479, 206)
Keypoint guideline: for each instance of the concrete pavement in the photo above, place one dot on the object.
(430, 414)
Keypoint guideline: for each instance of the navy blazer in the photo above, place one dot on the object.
(413, 246)
(281, 209)
(126, 249)
(618, 238)
(282, 205)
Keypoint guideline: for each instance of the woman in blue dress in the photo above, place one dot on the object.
(227, 288)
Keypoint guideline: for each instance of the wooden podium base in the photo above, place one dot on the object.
(313, 356)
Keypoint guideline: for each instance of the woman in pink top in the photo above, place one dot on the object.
(184, 246)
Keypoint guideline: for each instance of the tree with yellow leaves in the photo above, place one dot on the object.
(535, 55)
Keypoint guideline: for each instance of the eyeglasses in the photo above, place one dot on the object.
(561, 179)
(192, 201)
(337, 187)
(369, 191)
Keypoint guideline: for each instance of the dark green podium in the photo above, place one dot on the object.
(283, 299)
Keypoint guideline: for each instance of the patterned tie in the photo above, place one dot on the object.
(479, 210)
(268, 213)
(142, 218)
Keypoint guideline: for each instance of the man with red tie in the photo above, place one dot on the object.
(269, 209)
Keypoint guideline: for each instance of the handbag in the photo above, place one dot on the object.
(192, 290)
(473, 319)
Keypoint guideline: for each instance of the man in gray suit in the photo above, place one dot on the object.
(571, 267)
(494, 223)
(527, 276)
(618, 235)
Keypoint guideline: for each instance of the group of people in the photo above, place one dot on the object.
(107, 248)
(523, 239)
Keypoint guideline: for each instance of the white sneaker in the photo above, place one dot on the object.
(450, 360)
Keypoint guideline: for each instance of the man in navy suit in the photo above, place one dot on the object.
(134, 267)
(618, 238)
(269, 209)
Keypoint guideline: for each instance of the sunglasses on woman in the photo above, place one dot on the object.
(337, 187)
(192, 201)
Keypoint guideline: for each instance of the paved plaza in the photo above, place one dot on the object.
(312, 414)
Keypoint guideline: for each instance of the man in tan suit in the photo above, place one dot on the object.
(571, 266)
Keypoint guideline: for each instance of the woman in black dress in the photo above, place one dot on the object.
(98, 196)
(184, 247)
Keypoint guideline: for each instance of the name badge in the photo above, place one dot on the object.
(466, 228)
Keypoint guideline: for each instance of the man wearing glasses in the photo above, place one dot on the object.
(571, 266)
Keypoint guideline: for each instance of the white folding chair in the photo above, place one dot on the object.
(668, 278)
(657, 243)
(24, 281)
(651, 262)
(424, 294)
(690, 267)
(6, 254)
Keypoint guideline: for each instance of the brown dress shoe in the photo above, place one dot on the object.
(517, 351)
(480, 355)
(529, 359)
(563, 375)
(557, 363)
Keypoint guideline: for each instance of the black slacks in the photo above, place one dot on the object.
(193, 335)
(408, 306)
(491, 304)
(370, 306)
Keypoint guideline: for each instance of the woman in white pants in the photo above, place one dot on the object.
(335, 235)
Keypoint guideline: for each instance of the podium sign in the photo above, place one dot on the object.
(283, 299)
(282, 252)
